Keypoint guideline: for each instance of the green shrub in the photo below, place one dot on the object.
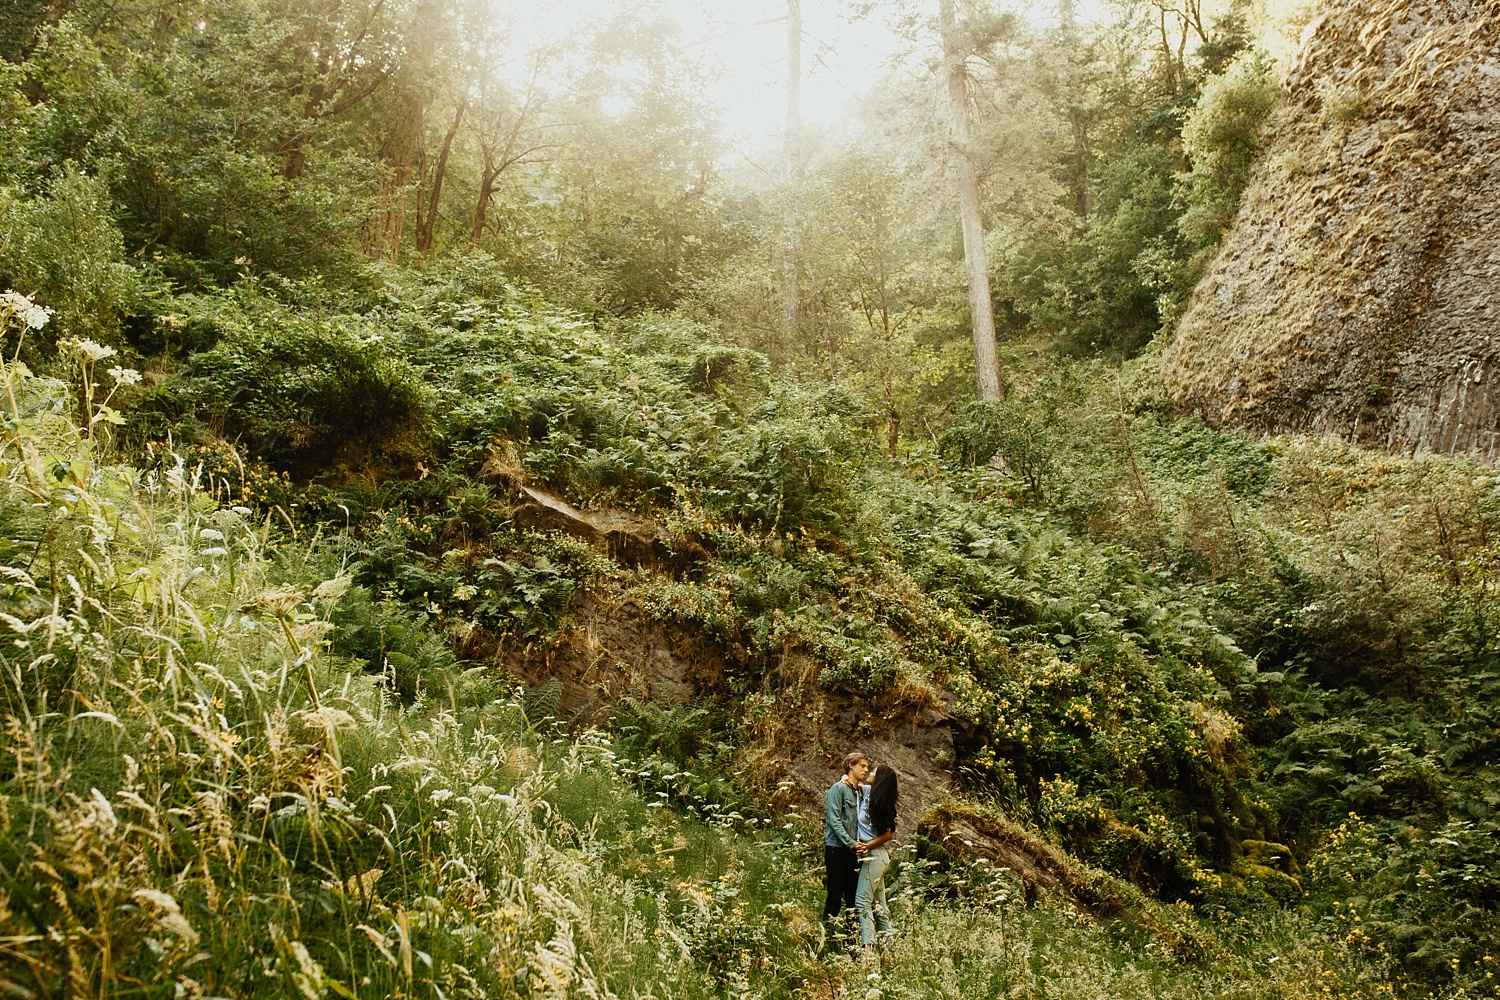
(675, 732)
(1015, 435)
(62, 248)
(390, 641)
(306, 395)
(1221, 136)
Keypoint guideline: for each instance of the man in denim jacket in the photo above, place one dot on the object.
(839, 857)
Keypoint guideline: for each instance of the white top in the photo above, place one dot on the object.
(865, 831)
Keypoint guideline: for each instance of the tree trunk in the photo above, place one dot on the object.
(19, 39)
(1083, 159)
(296, 160)
(427, 220)
(399, 152)
(296, 146)
(892, 425)
(981, 309)
(321, 41)
(1169, 65)
(790, 291)
(481, 209)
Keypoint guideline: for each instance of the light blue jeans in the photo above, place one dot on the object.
(869, 898)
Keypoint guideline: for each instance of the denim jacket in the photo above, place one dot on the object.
(843, 816)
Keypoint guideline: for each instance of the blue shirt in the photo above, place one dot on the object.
(843, 816)
(864, 829)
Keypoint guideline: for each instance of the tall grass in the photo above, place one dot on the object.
(197, 798)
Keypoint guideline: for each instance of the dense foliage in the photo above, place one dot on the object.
(312, 291)
(210, 787)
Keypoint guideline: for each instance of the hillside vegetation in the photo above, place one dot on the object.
(286, 702)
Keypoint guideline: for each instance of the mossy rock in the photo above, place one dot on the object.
(1270, 854)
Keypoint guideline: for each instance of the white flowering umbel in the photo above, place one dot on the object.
(86, 349)
(125, 376)
(88, 354)
(19, 309)
(15, 306)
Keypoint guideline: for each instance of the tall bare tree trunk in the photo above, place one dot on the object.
(791, 293)
(296, 146)
(427, 218)
(1078, 117)
(1083, 194)
(986, 360)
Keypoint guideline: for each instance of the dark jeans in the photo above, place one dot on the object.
(842, 879)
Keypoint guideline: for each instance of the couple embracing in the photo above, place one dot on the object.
(861, 822)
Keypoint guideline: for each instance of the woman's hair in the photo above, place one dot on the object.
(884, 796)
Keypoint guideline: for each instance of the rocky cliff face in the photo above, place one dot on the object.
(1359, 291)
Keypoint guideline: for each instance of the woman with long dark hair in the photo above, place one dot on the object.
(877, 825)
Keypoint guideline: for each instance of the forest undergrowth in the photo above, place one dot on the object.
(203, 797)
(255, 747)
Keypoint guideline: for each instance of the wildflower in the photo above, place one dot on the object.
(27, 311)
(332, 589)
(87, 349)
(363, 885)
(326, 719)
(278, 602)
(125, 376)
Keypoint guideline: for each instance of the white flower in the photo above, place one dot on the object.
(25, 310)
(87, 349)
(125, 376)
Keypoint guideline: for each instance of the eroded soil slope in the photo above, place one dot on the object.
(614, 649)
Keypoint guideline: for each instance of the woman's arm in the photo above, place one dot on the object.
(871, 845)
